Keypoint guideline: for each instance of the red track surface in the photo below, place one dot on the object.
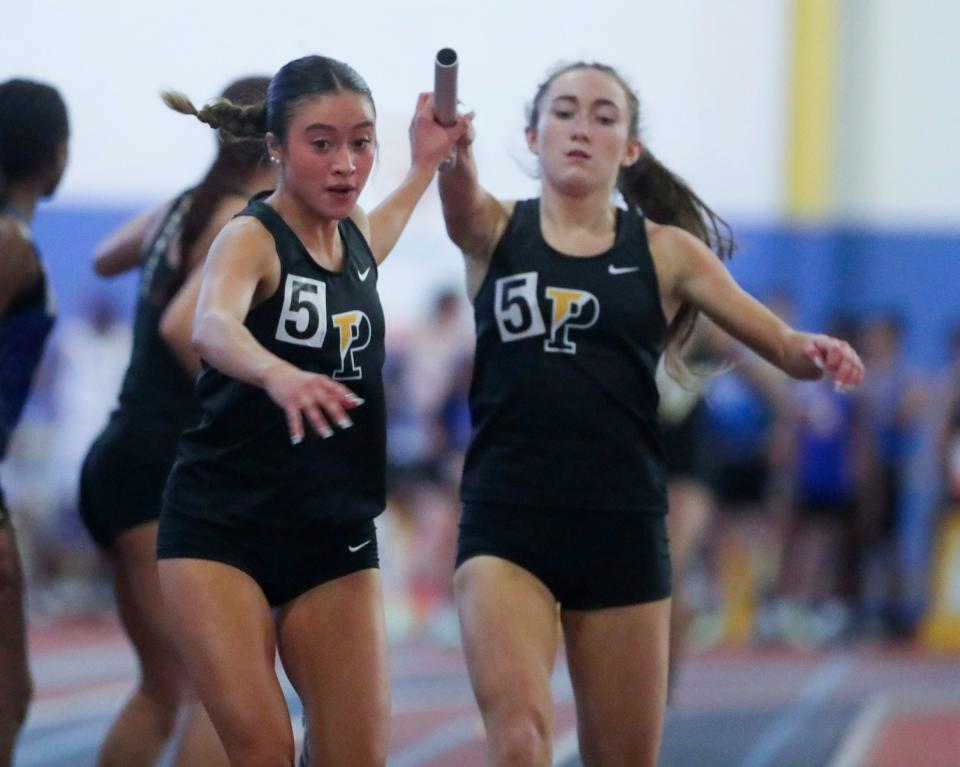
(864, 707)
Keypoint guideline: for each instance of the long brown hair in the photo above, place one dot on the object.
(236, 160)
(663, 197)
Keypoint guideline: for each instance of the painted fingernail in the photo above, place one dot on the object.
(326, 432)
(344, 423)
(353, 398)
(295, 439)
(817, 361)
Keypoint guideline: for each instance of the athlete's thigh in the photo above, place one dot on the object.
(510, 631)
(332, 642)
(139, 602)
(224, 632)
(618, 665)
(15, 688)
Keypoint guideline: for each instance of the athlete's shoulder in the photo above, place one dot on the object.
(17, 252)
(360, 219)
(13, 239)
(677, 249)
(19, 265)
(668, 237)
(243, 238)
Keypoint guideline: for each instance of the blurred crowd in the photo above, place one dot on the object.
(815, 499)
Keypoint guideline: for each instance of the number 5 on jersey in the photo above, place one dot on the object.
(518, 313)
(303, 319)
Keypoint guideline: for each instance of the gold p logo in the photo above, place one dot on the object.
(571, 309)
(355, 333)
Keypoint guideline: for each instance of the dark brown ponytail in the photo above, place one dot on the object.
(237, 159)
(236, 120)
(667, 199)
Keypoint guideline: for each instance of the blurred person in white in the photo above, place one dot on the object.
(125, 470)
(438, 364)
(893, 399)
(564, 485)
(85, 363)
(829, 452)
(90, 350)
(34, 131)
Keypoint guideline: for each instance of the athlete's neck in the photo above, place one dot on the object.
(320, 236)
(591, 214)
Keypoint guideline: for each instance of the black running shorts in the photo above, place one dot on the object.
(589, 559)
(284, 563)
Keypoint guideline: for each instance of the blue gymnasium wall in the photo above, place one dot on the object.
(66, 237)
(915, 273)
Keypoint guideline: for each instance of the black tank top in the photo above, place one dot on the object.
(564, 399)
(24, 329)
(156, 390)
(237, 465)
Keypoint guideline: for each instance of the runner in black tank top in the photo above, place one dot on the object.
(121, 484)
(259, 511)
(33, 153)
(238, 468)
(126, 469)
(564, 485)
(560, 341)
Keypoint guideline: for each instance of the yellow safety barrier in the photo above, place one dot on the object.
(941, 628)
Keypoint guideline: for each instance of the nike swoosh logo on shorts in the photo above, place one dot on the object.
(621, 269)
(355, 549)
(363, 275)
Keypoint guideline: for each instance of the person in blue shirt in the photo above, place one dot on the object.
(34, 131)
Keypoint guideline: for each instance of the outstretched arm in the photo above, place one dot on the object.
(119, 252)
(430, 143)
(475, 219)
(696, 275)
(242, 267)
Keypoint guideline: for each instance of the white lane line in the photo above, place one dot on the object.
(855, 745)
(821, 686)
(566, 747)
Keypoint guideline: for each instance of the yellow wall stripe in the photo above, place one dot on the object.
(812, 125)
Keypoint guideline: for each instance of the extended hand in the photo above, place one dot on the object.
(316, 396)
(835, 358)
